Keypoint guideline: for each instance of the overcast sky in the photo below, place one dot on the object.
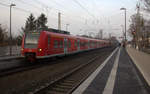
(83, 16)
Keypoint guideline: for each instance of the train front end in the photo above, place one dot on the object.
(30, 44)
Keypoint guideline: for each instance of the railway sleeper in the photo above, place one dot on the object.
(59, 89)
(53, 92)
(66, 84)
(68, 81)
(62, 86)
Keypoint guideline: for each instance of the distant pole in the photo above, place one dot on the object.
(125, 26)
(138, 27)
(67, 27)
(10, 41)
(101, 34)
(123, 32)
(59, 21)
(110, 36)
(125, 22)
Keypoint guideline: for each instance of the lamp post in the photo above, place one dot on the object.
(123, 33)
(10, 41)
(125, 22)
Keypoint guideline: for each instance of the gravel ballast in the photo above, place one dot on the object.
(26, 81)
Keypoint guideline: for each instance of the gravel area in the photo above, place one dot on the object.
(26, 81)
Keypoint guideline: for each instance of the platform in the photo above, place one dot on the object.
(8, 57)
(142, 61)
(116, 75)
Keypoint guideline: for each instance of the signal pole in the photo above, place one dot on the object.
(67, 27)
(101, 34)
(59, 21)
(125, 10)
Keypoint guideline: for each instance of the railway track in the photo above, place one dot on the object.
(36, 81)
(28, 66)
(25, 67)
(69, 81)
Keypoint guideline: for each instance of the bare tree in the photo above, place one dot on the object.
(3, 35)
(147, 4)
(136, 30)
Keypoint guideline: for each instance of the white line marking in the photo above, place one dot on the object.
(88, 81)
(111, 80)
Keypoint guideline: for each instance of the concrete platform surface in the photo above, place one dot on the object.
(116, 75)
(142, 61)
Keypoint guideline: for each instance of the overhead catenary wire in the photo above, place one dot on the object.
(67, 15)
(29, 4)
(46, 8)
(62, 12)
(42, 4)
(45, 5)
(58, 4)
(131, 1)
(95, 21)
(20, 9)
(84, 8)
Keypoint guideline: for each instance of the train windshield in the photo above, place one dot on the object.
(31, 39)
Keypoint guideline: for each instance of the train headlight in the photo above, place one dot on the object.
(22, 49)
(40, 50)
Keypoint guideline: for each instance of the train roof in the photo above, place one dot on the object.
(72, 36)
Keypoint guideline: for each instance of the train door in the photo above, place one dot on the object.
(78, 44)
(65, 45)
(48, 46)
(88, 44)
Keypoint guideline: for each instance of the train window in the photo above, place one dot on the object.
(48, 41)
(61, 44)
(55, 44)
(31, 40)
(90, 43)
(69, 43)
(93, 44)
(78, 43)
(99, 44)
(87, 44)
(83, 44)
(75, 43)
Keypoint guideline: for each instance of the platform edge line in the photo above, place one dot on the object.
(87, 82)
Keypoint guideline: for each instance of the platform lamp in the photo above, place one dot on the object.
(125, 21)
(10, 41)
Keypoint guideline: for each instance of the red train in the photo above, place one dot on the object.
(45, 44)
